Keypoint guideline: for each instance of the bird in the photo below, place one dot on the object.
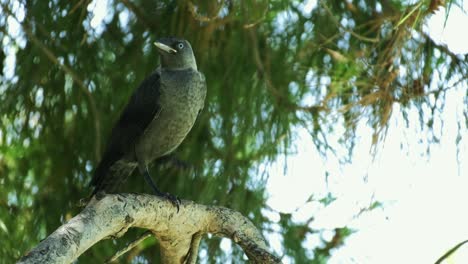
(157, 118)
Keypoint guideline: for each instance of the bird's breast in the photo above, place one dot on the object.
(182, 97)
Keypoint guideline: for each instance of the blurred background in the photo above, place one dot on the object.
(338, 127)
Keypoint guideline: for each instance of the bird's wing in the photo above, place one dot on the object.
(136, 116)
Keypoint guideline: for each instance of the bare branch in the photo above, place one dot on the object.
(129, 246)
(202, 18)
(179, 234)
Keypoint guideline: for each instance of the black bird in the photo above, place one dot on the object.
(156, 120)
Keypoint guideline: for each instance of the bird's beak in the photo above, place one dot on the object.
(165, 47)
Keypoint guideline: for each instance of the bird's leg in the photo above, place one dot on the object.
(150, 181)
(172, 198)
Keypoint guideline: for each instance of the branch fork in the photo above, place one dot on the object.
(179, 234)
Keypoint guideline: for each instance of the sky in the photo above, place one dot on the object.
(423, 197)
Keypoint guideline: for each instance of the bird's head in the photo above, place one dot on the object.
(176, 53)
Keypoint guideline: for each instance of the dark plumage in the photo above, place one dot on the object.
(157, 118)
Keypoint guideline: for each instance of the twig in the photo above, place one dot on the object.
(131, 245)
(140, 14)
(253, 24)
(450, 252)
(202, 18)
(410, 13)
(356, 35)
(75, 7)
(194, 245)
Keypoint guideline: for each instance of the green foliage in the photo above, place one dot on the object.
(270, 67)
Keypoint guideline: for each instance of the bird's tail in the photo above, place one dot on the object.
(109, 180)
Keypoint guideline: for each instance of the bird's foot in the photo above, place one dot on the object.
(173, 199)
(83, 202)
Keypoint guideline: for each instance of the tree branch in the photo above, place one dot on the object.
(179, 234)
(140, 14)
(129, 247)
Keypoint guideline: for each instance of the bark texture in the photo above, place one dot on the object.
(179, 234)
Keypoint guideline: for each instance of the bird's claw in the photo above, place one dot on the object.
(173, 199)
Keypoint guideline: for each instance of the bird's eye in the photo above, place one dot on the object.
(180, 46)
